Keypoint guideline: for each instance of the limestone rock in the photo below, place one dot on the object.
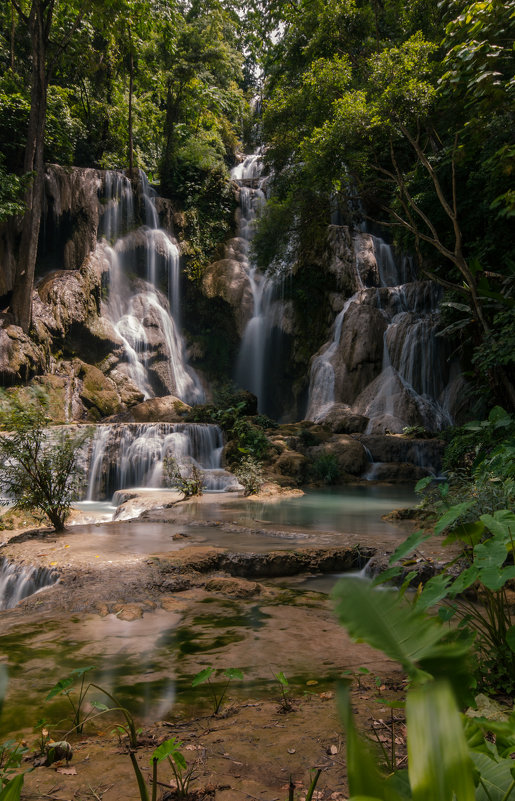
(167, 409)
(228, 280)
(359, 358)
(351, 259)
(349, 453)
(342, 420)
(20, 357)
(98, 392)
(234, 587)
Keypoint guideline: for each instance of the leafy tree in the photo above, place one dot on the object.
(39, 465)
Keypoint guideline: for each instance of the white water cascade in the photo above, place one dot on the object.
(130, 455)
(253, 364)
(144, 318)
(18, 582)
(406, 387)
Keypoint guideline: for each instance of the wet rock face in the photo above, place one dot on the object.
(359, 355)
(20, 356)
(167, 409)
(351, 258)
(228, 280)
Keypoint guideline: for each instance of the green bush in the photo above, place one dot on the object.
(326, 468)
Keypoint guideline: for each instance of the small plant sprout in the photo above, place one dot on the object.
(63, 687)
(284, 684)
(171, 750)
(217, 696)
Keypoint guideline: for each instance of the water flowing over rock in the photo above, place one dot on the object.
(384, 361)
(132, 455)
(18, 582)
(146, 321)
(260, 349)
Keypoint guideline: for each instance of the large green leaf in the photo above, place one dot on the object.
(451, 515)
(12, 790)
(202, 676)
(401, 631)
(495, 777)
(494, 578)
(501, 524)
(439, 764)
(491, 553)
(168, 748)
(464, 580)
(434, 591)
(409, 545)
(64, 684)
(364, 779)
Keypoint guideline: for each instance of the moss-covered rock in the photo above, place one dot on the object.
(98, 392)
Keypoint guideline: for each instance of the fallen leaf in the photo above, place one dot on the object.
(67, 771)
(311, 683)
(291, 750)
(52, 563)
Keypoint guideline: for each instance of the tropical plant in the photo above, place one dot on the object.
(64, 687)
(188, 480)
(249, 472)
(38, 465)
(11, 755)
(449, 758)
(171, 750)
(217, 695)
(284, 684)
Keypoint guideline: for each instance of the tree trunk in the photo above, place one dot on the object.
(131, 88)
(21, 303)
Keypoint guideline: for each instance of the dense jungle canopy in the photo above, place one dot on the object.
(400, 113)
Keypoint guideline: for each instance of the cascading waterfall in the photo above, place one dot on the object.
(132, 455)
(253, 367)
(137, 309)
(18, 582)
(322, 378)
(413, 375)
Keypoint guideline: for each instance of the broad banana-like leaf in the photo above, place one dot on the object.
(496, 778)
(451, 515)
(439, 763)
(402, 632)
(409, 545)
(365, 781)
(434, 590)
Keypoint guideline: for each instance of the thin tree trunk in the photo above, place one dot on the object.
(21, 303)
(131, 88)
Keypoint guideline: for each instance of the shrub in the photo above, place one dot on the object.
(249, 472)
(38, 464)
(188, 480)
(326, 468)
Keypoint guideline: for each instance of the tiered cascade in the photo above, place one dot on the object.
(384, 360)
(18, 582)
(260, 345)
(141, 260)
(132, 455)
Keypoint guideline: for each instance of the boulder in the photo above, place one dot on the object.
(228, 280)
(20, 357)
(359, 357)
(349, 453)
(342, 420)
(425, 453)
(167, 409)
(97, 392)
(351, 259)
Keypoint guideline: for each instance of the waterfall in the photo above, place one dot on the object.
(259, 341)
(18, 582)
(322, 388)
(132, 455)
(146, 321)
(409, 386)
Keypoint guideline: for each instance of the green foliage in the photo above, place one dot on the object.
(12, 790)
(11, 756)
(38, 466)
(183, 775)
(64, 687)
(217, 695)
(11, 193)
(249, 472)
(188, 480)
(326, 468)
